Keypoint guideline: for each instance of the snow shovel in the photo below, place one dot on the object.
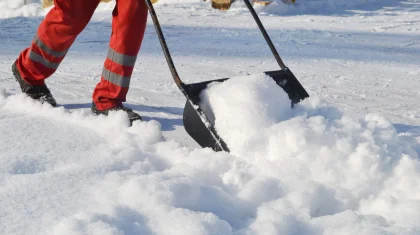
(195, 120)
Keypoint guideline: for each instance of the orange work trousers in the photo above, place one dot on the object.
(60, 28)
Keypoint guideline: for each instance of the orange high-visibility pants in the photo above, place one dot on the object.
(60, 28)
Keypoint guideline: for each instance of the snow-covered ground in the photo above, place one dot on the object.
(344, 161)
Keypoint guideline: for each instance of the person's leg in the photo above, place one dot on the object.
(128, 26)
(54, 37)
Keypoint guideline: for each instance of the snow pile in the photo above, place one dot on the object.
(310, 170)
(14, 8)
(243, 108)
(331, 173)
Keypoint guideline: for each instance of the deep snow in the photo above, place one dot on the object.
(344, 161)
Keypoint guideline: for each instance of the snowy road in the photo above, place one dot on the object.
(65, 171)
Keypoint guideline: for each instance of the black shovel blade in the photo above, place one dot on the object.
(203, 132)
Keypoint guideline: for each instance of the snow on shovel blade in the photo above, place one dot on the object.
(203, 132)
(196, 122)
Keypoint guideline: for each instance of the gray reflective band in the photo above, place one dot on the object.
(125, 60)
(48, 50)
(116, 78)
(38, 58)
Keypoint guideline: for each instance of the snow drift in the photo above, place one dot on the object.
(328, 167)
(307, 170)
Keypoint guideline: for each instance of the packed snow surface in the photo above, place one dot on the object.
(344, 161)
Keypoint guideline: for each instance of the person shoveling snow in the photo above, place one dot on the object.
(57, 33)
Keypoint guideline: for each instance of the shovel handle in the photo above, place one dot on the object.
(265, 34)
(167, 54)
(165, 49)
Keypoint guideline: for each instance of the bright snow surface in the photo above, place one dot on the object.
(344, 161)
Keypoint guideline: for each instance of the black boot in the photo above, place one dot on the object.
(40, 93)
(132, 116)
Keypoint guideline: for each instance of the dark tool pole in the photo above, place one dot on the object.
(264, 32)
(164, 46)
(168, 55)
(219, 143)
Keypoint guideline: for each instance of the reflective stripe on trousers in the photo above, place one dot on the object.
(123, 60)
(46, 54)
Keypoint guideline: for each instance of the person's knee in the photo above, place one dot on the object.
(77, 23)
